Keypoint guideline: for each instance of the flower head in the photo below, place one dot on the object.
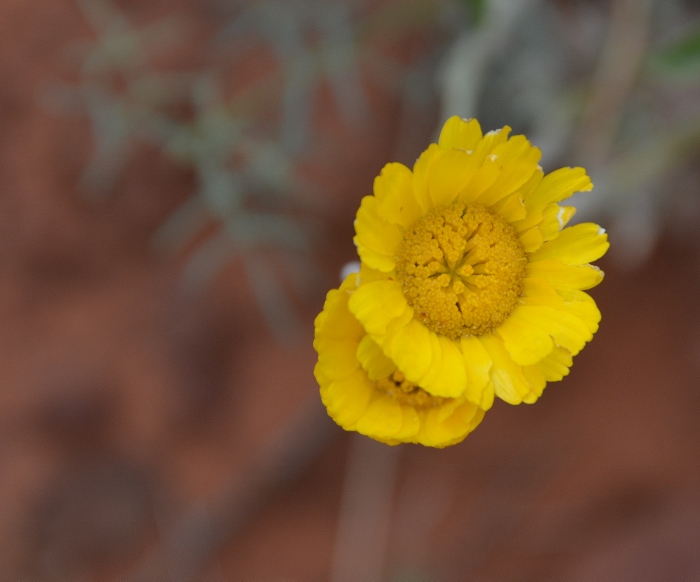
(364, 391)
(471, 284)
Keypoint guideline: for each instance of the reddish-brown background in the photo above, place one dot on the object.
(126, 403)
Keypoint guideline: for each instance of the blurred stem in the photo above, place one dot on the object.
(207, 261)
(467, 62)
(365, 511)
(275, 306)
(181, 225)
(614, 79)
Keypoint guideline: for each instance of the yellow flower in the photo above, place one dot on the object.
(364, 391)
(471, 285)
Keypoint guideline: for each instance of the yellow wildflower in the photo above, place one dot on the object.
(471, 287)
(364, 391)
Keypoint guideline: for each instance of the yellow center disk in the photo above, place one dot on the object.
(461, 268)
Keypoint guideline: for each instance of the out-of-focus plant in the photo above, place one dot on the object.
(603, 85)
(612, 90)
(681, 57)
(242, 138)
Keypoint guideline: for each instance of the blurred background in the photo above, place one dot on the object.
(178, 183)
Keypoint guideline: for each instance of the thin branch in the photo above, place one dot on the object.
(614, 79)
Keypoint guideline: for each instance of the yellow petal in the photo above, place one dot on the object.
(421, 173)
(335, 321)
(411, 350)
(447, 408)
(518, 160)
(393, 189)
(383, 418)
(373, 360)
(460, 133)
(468, 414)
(482, 179)
(532, 184)
(410, 424)
(508, 379)
(556, 365)
(477, 364)
(432, 373)
(346, 400)
(377, 304)
(539, 292)
(551, 225)
(565, 327)
(449, 379)
(489, 395)
(558, 186)
(566, 213)
(511, 208)
(531, 240)
(442, 433)
(337, 334)
(336, 358)
(575, 245)
(533, 216)
(562, 276)
(526, 344)
(581, 304)
(491, 140)
(535, 287)
(367, 274)
(554, 219)
(488, 165)
(320, 376)
(374, 234)
(535, 378)
(449, 174)
(377, 260)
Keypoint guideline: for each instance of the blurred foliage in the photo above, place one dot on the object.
(476, 9)
(682, 56)
(599, 85)
(588, 83)
(242, 145)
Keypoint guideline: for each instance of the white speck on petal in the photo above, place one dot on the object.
(560, 218)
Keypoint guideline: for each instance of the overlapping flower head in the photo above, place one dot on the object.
(471, 287)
